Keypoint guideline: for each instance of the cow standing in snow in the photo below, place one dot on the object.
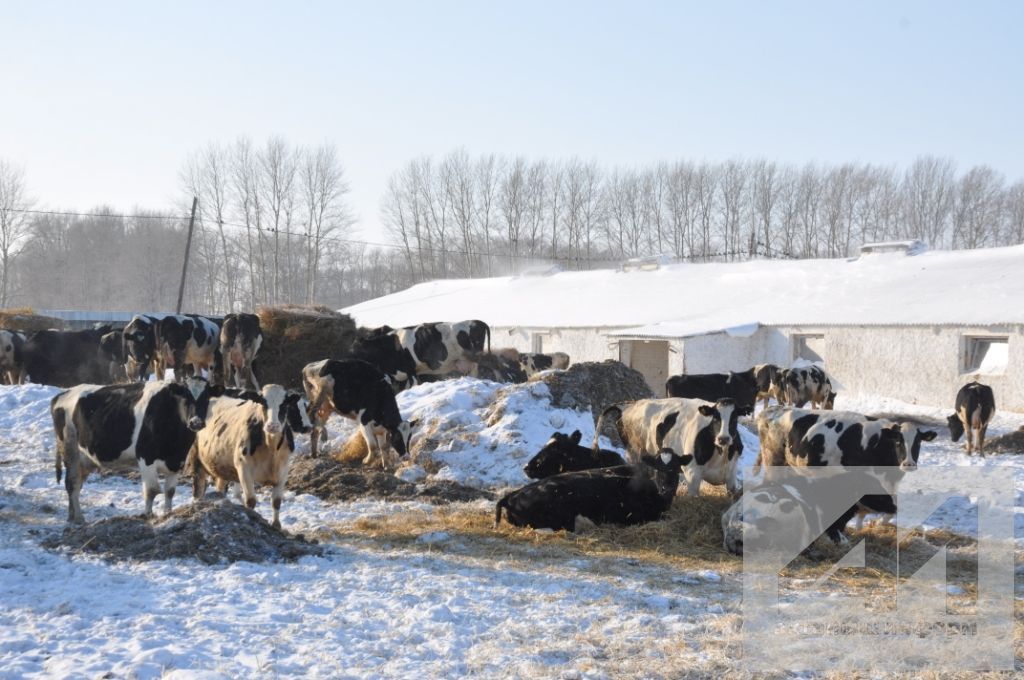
(11, 360)
(151, 424)
(186, 343)
(359, 391)
(975, 406)
(249, 438)
(240, 340)
(704, 433)
(740, 387)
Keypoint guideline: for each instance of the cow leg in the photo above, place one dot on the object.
(251, 377)
(199, 482)
(170, 486)
(693, 483)
(371, 442)
(74, 472)
(150, 485)
(222, 486)
(277, 495)
(981, 440)
(732, 482)
(245, 480)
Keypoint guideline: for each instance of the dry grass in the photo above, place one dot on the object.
(25, 319)
(295, 335)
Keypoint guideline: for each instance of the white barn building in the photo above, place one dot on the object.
(896, 321)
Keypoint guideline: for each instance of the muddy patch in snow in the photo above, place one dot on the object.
(212, 532)
(1012, 442)
(332, 480)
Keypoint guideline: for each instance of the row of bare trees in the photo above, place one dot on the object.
(465, 216)
(274, 224)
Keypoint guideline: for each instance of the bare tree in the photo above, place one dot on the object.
(977, 207)
(14, 222)
(327, 214)
(928, 187)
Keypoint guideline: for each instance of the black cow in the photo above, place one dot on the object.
(975, 406)
(240, 340)
(187, 343)
(740, 387)
(620, 495)
(563, 453)
(139, 338)
(357, 390)
(112, 349)
(66, 358)
(97, 426)
(12, 361)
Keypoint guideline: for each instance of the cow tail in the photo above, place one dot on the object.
(488, 339)
(58, 464)
(503, 503)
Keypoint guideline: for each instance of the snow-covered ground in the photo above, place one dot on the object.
(437, 608)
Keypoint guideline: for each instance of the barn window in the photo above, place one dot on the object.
(986, 354)
(809, 346)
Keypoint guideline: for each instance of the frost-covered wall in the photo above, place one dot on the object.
(581, 344)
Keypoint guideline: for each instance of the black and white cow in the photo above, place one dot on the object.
(740, 387)
(359, 391)
(139, 338)
(486, 366)
(249, 439)
(438, 348)
(625, 494)
(705, 433)
(975, 406)
(535, 362)
(381, 348)
(151, 424)
(186, 343)
(12, 363)
(769, 384)
(240, 340)
(807, 384)
(563, 453)
(66, 358)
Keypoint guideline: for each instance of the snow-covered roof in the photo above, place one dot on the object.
(972, 287)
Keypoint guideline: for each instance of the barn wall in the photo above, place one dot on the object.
(581, 344)
(916, 364)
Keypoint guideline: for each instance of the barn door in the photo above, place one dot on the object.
(650, 358)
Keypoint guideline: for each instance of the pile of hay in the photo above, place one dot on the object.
(295, 335)
(212, 532)
(595, 385)
(332, 480)
(1011, 442)
(25, 319)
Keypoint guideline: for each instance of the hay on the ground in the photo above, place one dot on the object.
(332, 480)
(1011, 442)
(295, 335)
(595, 385)
(25, 319)
(209, 531)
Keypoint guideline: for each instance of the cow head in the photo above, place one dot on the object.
(891, 439)
(770, 510)
(956, 427)
(667, 460)
(724, 415)
(830, 400)
(550, 460)
(199, 401)
(913, 435)
(276, 409)
(400, 436)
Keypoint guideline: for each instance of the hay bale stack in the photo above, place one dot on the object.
(295, 335)
(25, 319)
(595, 385)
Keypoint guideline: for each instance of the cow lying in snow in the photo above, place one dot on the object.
(356, 390)
(619, 495)
(151, 424)
(975, 406)
(249, 439)
(704, 433)
(563, 453)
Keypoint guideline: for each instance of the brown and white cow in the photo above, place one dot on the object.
(705, 434)
(807, 384)
(249, 439)
(240, 340)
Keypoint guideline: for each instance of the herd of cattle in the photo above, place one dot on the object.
(230, 428)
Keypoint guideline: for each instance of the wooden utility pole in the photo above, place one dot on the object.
(188, 247)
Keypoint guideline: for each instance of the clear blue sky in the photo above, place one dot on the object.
(101, 102)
